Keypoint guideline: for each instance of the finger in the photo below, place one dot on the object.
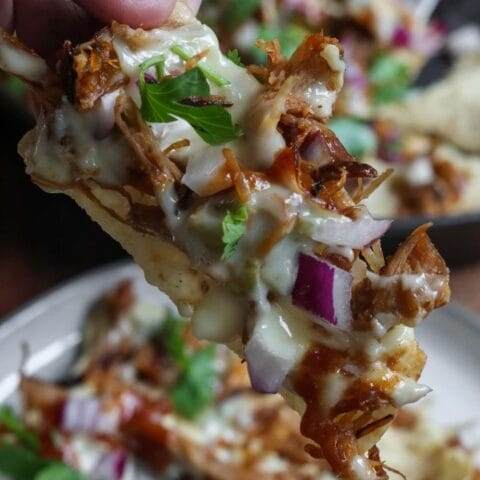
(6, 14)
(44, 24)
(136, 13)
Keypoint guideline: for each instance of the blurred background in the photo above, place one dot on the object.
(45, 239)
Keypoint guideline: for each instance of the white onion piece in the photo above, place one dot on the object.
(84, 414)
(271, 353)
(343, 231)
(111, 466)
(324, 290)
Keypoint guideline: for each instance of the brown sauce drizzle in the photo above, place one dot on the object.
(335, 431)
(335, 443)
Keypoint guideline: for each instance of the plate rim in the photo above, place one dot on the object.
(59, 293)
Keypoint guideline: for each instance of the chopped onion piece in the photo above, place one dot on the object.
(402, 37)
(84, 414)
(271, 353)
(343, 231)
(111, 466)
(324, 290)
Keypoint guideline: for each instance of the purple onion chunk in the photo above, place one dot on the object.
(324, 290)
(402, 37)
(111, 466)
(271, 353)
(267, 371)
(84, 414)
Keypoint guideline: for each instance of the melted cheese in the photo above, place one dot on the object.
(106, 160)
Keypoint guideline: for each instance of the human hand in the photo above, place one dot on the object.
(44, 24)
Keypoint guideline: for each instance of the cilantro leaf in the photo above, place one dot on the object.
(390, 78)
(161, 103)
(59, 471)
(234, 57)
(233, 227)
(19, 463)
(171, 336)
(195, 388)
(356, 136)
(10, 421)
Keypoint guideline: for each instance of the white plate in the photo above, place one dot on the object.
(51, 326)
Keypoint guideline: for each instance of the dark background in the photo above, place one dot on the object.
(46, 238)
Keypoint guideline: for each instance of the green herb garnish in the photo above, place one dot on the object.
(58, 471)
(14, 87)
(13, 424)
(195, 388)
(206, 70)
(20, 463)
(390, 78)
(233, 227)
(356, 136)
(171, 335)
(238, 11)
(19, 456)
(161, 102)
(234, 57)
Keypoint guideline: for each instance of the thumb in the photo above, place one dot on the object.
(136, 13)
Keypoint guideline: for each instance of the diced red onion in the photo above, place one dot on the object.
(355, 75)
(267, 370)
(356, 78)
(84, 414)
(349, 233)
(324, 290)
(111, 466)
(430, 40)
(401, 37)
(271, 354)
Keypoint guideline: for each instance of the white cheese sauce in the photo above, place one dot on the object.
(424, 286)
(67, 150)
